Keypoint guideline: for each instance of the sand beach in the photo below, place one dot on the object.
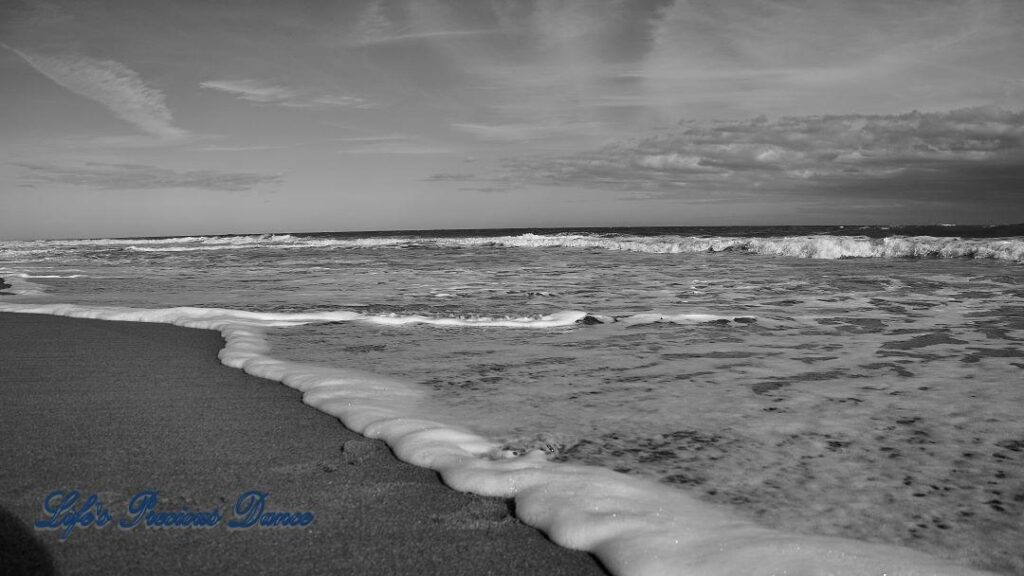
(115, 408)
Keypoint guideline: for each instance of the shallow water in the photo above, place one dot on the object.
(881, 404)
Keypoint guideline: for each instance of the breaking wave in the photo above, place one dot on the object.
(818, 246)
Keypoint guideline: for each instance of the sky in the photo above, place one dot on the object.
(172, 117)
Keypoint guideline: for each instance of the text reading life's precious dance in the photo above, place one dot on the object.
(66, 510)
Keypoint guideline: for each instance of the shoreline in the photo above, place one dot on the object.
(113, 408)
(634, 526)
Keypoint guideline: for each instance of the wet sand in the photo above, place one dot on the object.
(115, 408)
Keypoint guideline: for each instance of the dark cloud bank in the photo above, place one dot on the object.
(960, 155)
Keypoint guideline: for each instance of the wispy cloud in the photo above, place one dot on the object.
(473, 182)
(225, 148)
(265, 93)
(397, 144)
(641, 63)
(777, 56)
(112, 84)
(809, 152)
(521, 132)
(105, 176)
(365, 40)
(452, 177)
(376, 26)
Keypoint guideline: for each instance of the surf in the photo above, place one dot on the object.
(635, 526)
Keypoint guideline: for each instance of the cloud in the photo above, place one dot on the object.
(264, 93)
(377, 25)
(779, 56)
(365, 40)
(111, 84)
(983, 146)
(570, 63)
(452, 177)
(374, 24)
(105, 176)
(638, 63)
(521, 132)
(398, 144)
(256, 148)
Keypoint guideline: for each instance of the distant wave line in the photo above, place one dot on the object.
(818, 246)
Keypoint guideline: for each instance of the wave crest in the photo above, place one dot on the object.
(817, 246)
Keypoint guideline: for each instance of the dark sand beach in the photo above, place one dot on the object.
(114, 408)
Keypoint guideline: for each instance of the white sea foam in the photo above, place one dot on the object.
(634, 526)
(811, 246)
(26, 275)
(565, 318)
(817, 246)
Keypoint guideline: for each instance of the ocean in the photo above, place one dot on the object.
(843, 400)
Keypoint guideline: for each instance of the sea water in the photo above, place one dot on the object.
(675, 400)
